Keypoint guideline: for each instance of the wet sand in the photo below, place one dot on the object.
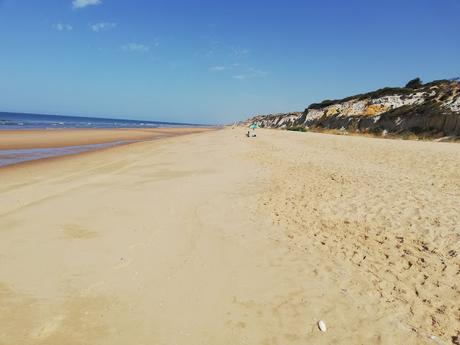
(30, 139)
(215, 238)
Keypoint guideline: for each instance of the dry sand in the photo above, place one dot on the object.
(215, 238)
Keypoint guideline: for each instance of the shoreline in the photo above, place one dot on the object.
(73, 142)
(43, 138)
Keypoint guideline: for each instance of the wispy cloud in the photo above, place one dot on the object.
(239, 71)
(238, 52)
(103, 26)
(217, 48)
(84, 3)
(136, 47)
(63, 27)
(218, 68)
(250, 73)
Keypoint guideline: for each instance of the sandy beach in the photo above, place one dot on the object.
(216, 238)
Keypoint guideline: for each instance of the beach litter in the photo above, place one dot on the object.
(322, 326)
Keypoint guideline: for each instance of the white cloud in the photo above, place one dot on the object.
(103, 26)
(63, 27)
(136, 47)
(84, 3)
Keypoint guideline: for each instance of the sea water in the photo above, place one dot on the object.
(9, 121)
(8, 157)
(16, 121)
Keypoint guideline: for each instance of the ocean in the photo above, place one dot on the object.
(16, 121)
(9, 121)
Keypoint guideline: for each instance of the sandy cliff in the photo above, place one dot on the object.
(431, 109)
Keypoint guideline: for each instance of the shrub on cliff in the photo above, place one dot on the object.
(386, 91)
(323, 104)
(414, 84)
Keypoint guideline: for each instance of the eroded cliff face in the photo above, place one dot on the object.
(432, 109)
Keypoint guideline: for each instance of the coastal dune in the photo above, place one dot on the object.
(216, 238)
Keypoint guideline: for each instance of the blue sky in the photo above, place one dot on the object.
(215, 61)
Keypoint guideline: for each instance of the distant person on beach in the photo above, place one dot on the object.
(253, 127)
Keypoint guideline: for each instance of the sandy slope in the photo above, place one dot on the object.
(215, 238)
